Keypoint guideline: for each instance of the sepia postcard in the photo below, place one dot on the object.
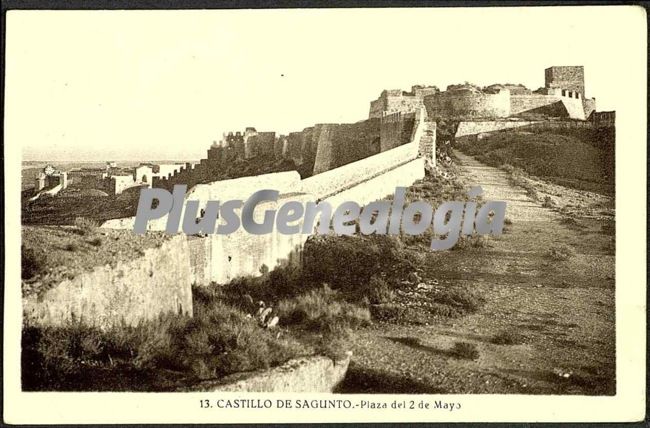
(325, 215)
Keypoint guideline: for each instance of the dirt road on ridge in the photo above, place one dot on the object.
(564, 310)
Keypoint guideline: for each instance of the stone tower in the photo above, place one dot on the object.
(566, 77)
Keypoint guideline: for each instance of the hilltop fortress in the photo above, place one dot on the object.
(361, 162)
(563, 96)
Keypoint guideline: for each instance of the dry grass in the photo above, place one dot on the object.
(561, 252)
(85, 226)
(508, 337)
(465, 351)
(32, 262)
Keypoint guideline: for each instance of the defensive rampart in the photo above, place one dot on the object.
(158, 282)
(161, 280)
(395, 130)
(466, 127)
(470, 103)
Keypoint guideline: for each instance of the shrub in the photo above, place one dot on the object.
(465, 350)
(321, 311)
(461, 299)
(561, 252)
(507, 337)
(71, 246)
(378, 291)
(96, 241)
(508, 168)
(281, 282)
(31, 263)
(548, 202)
(570, 221)
(471, 241)
(85, 226)
(362, 257)
(507, 221)
(222, 340)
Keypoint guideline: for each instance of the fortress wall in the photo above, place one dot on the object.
(395, 130)
(403, 104)
(377, 107)
(569, 107)
(558, 125)
(522, 103)
(294, 146)
(245, 254)
(224, 190)
(339, 179)
(161, 280)
(468, 103)
(141, 289)
(380, 186)
(589, 106)
(574, 108)
(325, 151)
(466, 128)
(340, 144)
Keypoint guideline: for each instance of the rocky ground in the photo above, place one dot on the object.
(547, 325)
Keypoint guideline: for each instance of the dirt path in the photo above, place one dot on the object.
(564, 310)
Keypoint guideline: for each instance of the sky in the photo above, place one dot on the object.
(153, 85)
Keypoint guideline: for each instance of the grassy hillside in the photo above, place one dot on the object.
(569, 160)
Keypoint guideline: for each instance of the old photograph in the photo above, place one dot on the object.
(300, 201)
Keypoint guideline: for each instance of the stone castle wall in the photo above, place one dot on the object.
(550, 105)
(161, 280)
(395, 130)
(158, 282)
(341, 144)
(472, 128)
(466, 127)
(468, 103)
(335, 181)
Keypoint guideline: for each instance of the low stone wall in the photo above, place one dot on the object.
(309, 374)
(158, 282)
(466, 128)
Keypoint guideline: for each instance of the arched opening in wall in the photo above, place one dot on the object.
(564, 92)
(144, 178)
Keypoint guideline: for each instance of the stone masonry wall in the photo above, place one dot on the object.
(466, 128)
(395, 130)
(340, 144)
(468, 103)
(161, 280)
(141, 289)
(337, 180)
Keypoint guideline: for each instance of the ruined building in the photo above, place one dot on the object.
(563, 96)
(313, 150)
(398, 101)
(51, 178)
